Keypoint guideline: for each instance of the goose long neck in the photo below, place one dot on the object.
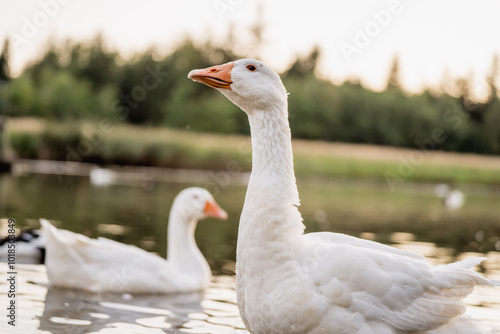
(272, 158)
(181, 247)
(272, 197)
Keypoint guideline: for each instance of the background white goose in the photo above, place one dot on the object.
(291, 282)
(103, 265)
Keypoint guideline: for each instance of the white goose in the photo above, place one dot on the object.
(102, 265)
(291, 282)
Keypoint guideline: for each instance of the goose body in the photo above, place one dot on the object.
(102, 265)
(291, 282)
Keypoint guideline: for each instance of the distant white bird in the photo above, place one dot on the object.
(291, 282)
(455, 199)
(442, 190)
(102, 176)
(452, 198)
(102, 265)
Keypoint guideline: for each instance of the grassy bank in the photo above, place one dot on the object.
(114, 143)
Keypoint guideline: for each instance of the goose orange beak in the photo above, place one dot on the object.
(214, 76)
(212, 209)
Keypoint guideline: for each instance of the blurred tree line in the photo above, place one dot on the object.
(87, 81)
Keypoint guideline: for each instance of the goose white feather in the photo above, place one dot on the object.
(102, 265)
(291, 282)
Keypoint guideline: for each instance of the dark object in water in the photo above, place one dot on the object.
(29, 243)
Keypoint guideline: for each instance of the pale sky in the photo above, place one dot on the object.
(359, 38)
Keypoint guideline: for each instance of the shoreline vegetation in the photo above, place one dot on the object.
(107, 143)
(85, 80)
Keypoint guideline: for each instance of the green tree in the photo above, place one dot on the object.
(97, 65)
(394, 78)
(305, 66)
(4, 62)
(24, 96)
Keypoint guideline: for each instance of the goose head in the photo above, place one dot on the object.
(248, 83)
(197, 203)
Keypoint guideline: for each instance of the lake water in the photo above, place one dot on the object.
(134, 209)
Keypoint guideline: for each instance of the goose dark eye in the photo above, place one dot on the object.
(251, 67)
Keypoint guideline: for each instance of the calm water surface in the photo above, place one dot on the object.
(134, 209)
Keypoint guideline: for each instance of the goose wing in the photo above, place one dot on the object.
(387, 285)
